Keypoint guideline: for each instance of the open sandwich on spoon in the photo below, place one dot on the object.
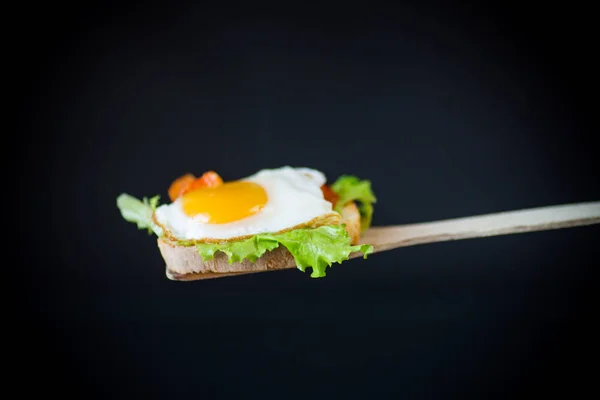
(288, 217)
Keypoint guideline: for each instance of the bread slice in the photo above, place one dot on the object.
(184, 262)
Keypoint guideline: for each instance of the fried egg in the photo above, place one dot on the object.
(270, 201)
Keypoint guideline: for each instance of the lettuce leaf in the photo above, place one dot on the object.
(249, 249)
(350, 188)
(139, 212)
(317, 248)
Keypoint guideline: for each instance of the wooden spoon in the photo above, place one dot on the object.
(385, 238)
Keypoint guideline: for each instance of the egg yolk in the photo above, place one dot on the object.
(228, 202)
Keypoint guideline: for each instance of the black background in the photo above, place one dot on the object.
(450, 110)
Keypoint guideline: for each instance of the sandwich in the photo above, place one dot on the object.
(256, 223)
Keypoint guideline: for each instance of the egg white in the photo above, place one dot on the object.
(294, 200)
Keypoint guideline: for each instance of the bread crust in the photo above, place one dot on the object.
(351, 217)
(184, 262)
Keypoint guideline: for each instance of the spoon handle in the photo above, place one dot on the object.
(503, 223)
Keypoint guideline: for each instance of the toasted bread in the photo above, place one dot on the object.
(184, 262)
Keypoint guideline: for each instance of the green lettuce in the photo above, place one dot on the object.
(317, 248)
(350, 188)
(139, 211)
